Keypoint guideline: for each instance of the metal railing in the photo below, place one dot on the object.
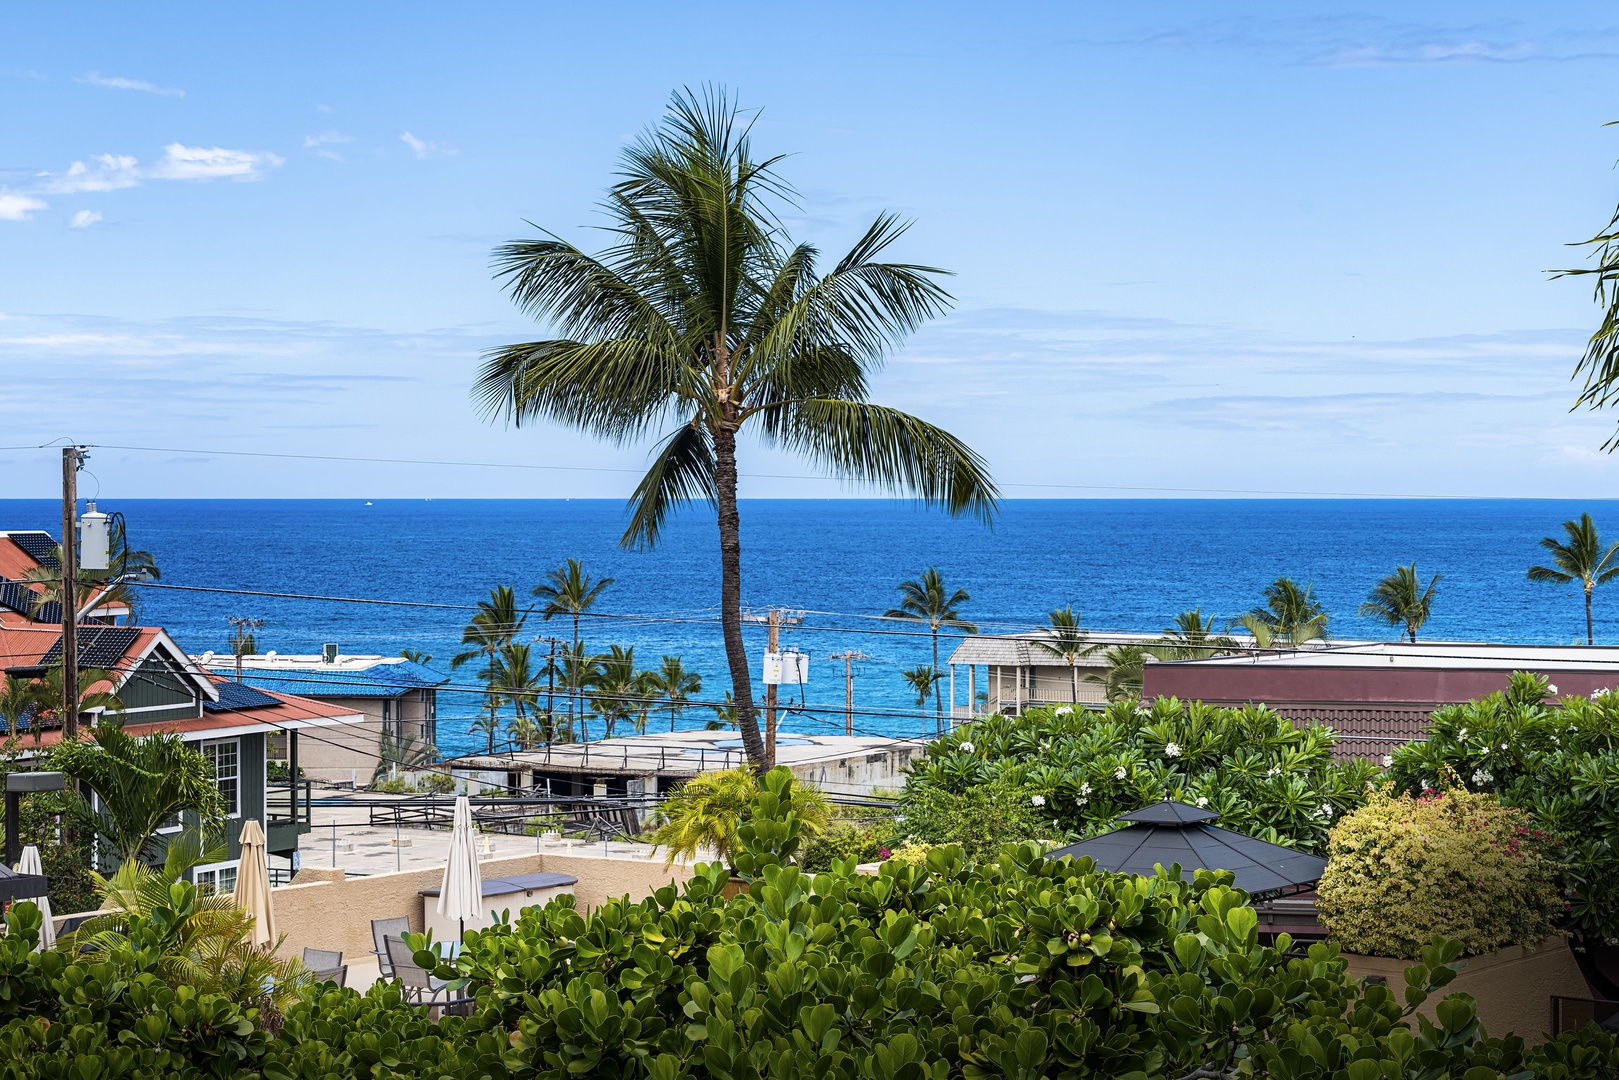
(599, 817)
(1572, 1014)
(287, 803)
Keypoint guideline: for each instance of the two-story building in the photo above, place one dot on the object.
(396, 698)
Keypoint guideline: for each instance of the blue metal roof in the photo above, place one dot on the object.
(233, 695)
(378, 681)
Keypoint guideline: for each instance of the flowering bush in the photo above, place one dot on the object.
(1263, 775)
(1403, 869)
(861, 841)
(1557, 760)
(981, 819)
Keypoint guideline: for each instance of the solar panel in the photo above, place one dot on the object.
(99, 646)
(40, 546)
(235, 695)
(19, 598)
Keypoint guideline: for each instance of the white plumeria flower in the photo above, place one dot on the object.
(1462, 734)
(1482, 777)
(1603, 692)
(1388, 759)
(1038, 800)
(1064, 710)
(1503, 746)
(1172, 750)
(1551, 688)
(1202, 800)
(967, 747)
(1084, 802)
(1118, 774)
(1275, 770)
(1085, 788)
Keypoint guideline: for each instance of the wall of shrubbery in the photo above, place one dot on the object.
(1017, 967)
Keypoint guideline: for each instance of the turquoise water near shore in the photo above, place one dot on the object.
(1124, 564)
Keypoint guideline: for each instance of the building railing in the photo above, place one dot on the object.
(288, 804)
(1572, 1014)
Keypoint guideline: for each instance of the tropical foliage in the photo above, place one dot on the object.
(141, 784)
(1125, 669)
(1600, 363)
(1263, 775)
(704, 315)
(569, 590)
(922, 681)
(704, 814)
(198, 941)
(1456, 864)
(927, 601)
(1582, 558)
(1401, 601)
(1557, 760)
(1290, 617)
(1069, 642)
(1193, 637)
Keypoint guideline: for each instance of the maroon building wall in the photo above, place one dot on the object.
(1372, 709)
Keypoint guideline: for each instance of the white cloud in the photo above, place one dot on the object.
(312, 141)
(17, 207)
(424, 149)
(108, 173)
(114, 82)
(183, 162)
(84, 219)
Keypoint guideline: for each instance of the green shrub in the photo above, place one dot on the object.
(981, 820)
(1264, 776)
(706, 812)
(1557, 760)
(857, 841)
(1402, 870)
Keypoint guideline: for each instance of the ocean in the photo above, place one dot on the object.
(1123, 564)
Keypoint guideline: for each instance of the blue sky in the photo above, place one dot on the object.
(1289, 247)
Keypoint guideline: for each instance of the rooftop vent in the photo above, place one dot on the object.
(328, 653)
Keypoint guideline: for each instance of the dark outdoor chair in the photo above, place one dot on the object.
(381, 930)
(420, 987)
(326, 965)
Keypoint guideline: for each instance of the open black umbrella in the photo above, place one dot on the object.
(1172, 832)
(15, 886)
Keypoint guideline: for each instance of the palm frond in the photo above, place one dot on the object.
(682, 472)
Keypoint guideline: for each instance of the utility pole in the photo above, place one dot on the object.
(72, 461)
(243, 638)
(849, 656)
(774, 620)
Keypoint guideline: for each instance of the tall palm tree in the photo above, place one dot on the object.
(1400, 600)
(1291, 616)
(704, 313)
(1193, 637)
(675, 685)
(1582, 559)
(568, 590)
(1069, 642)
(923, 681)
(513, 678)
(493, 625)
(581, 670)
(619, 689)
(927, 601)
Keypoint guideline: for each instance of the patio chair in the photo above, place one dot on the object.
(420, 987)
(325, 964)
(381, 930)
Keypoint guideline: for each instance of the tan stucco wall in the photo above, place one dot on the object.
(336, 754)
(330, 914)
(1513, 987)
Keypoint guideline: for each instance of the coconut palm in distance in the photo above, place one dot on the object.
(1582, 559)
(1291, 616)
(492, 627)
(675, 685)
(568, 590)
(1126, 667)
(923, 681)
(927, 601)
(703, 314)
(1193, 637)
(1401, 601)
(1069, 642)
(514, 677)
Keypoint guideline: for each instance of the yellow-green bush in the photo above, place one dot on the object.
(1402, 869)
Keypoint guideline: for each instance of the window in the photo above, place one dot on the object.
(215, 879)
(224, 755)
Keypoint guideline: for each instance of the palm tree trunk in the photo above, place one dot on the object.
(1073, 689)
(736, 653)
(1590, 636)
(938, 706)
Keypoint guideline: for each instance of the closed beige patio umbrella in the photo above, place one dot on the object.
(253, 884)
